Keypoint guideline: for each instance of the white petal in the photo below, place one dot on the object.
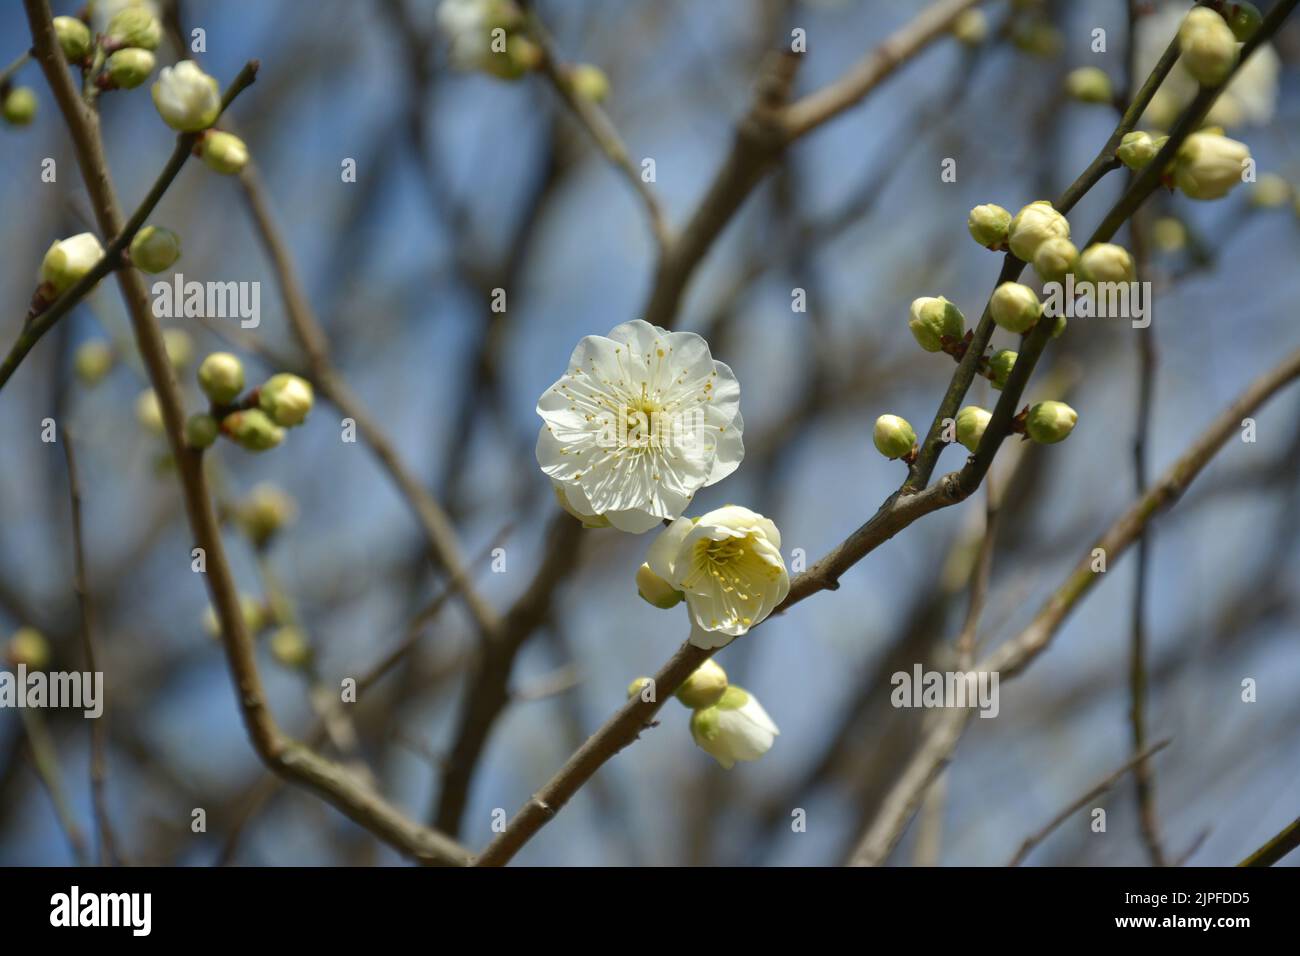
(662, 556)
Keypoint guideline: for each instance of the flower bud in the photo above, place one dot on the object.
(134, 26)
(129, 67)
(28, 646)
(1106, 262)
(736, 728)
(74, 38)
(1054, 259)
(1209, 165)
(1015, 307)
(19, 107)
(971, 422)
(705, 687)
(1089, 84)
(251, 610)
(286, 399)
(1138, 148)
(1033, 226)
(1000, 366)
(148, 411)
(1208, 45)
(589, 82)
(971, 28)
(224, 152)
(154, 249)
(221, 376)
(933, 320)
(988, 225)
(289, 647)
(1169, 234)
(1270, 192)
(634, 689)
(1244, 19)
(252, 430)
(655, 590)
(187, 98)
(200, 431)
(1050, 422)
(266, 510)
(894, 436)
(93, 360)
(68, 260)
(179, 347)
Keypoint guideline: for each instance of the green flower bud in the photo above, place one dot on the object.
(29, 647)
(251, 610)
(1169, 234)
(129, 67)
(289, 647)
(971, 422)
(154, 249)
(1054, 259)
(68, 260)
(971, 28)
(1209, 164)
(148, 411)
(179, 347)
(988, 225)
(893, 436)
(736, 728)
(1089, 84)
(655, 590)
(1106, 262)
(1138, 148)
(1000, 366)
(265, 511)
(1050, 422)
(521, 55)
(74, 38)
(93, 360)
(1034, 225)
(934, 319)
(221, 376)
(19, 107)
(1244, 19)
(589, 82)
(286, 398)
(634, 689)
(1015, 307)
(224, 152)
(705, 687)
(1270, 192)
(1208, 45)
(134, 26)
(201, 431)
(252, 430)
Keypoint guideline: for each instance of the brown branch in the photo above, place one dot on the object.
(1276, 848)
(281, 754)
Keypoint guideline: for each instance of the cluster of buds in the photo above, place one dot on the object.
(727, 722)
(1207, 166)
(257, 420)
(490, 36)
(122, 57)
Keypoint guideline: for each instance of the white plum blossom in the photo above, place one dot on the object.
(642, 420)
(1248, 100)
(735, 728)
(187, 98)
(728, 564)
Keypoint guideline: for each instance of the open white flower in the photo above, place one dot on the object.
(1249, 99)
(642, 420)
(728, 564)
(187, 98)
(735, 728)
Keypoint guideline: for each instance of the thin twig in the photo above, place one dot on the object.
(1276, 848)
